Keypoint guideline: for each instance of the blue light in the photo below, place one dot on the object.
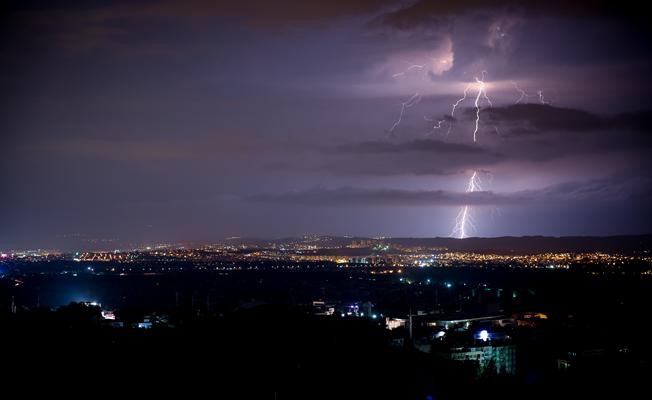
(483, 335)
(449, 285)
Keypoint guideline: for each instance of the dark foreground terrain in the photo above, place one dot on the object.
(254, 334)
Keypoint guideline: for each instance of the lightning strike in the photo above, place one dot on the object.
(464, 220)
(481, 93)
(404, 106)
(480, 96)
(453, 108)
(408, 69)
(438, 124)
(435, 124)
(457, 103)
(524, 95)
(542, 100)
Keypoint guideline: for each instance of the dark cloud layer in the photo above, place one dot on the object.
(512, 133)
(426, 12)
(382, 197)
(541, 118)
(419, 145)
(122, 116)
(85, 26)
(598, 190)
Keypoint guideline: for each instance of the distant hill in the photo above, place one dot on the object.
(537, 244)
(624, 244)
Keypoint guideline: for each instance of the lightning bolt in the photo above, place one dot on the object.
(464, 220)
(453, 108)
(481, 96)
(481, 93)
(404, 106)
(524, 94)
(408, 69)
(461, 99)
(542, 100)
(435, 124)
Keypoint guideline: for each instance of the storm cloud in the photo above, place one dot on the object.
(162, 120)
(604, 190)
(542, 118)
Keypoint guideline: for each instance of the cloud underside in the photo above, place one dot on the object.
(542, 118)
(597, 190)
(516, 133)
(425, 12)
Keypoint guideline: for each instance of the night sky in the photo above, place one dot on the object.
(159, 120)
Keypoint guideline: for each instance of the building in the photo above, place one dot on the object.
(498, 359)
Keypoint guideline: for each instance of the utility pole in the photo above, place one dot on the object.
(459, 297)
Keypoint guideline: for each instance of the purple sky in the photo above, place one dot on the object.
(161, 120)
